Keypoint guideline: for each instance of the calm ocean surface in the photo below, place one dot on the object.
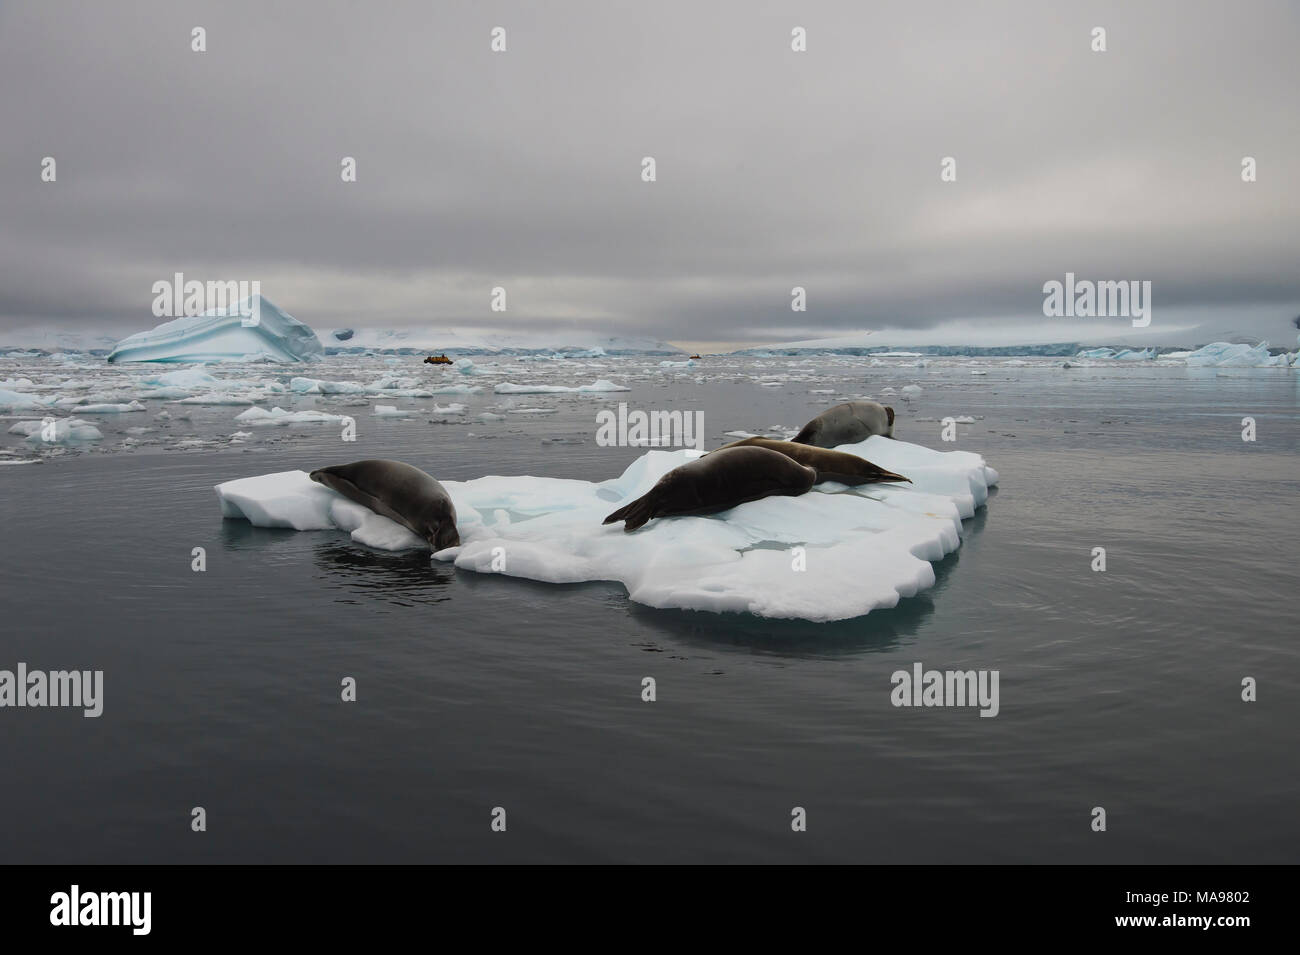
(1119, 689)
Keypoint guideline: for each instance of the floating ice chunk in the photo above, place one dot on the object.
(601, 385)
(466, 367)
(489, 416)
(912, 389)
(196, 377)
(318, 386)
(108, 408)
(392, 411)
(11, 401)
(220, 334)
(57, 431)
(217, 398)
(456, 390)
(260, 417)
(533, 410)
(865, 547)
(18, 384)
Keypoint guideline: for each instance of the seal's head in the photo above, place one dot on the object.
(442, 535)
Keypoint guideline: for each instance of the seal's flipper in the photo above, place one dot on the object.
(633, 515)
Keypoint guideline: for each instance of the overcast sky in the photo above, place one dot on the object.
(523, 169)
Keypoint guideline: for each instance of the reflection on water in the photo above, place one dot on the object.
(405, 579)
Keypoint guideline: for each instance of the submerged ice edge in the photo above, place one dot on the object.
(830, 554)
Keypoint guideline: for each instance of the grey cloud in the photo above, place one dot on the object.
(522, 169)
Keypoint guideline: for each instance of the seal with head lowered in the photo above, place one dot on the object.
(847, 423)
(399, 491)
(717, 482)
(830, 465)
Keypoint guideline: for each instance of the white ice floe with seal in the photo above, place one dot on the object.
(864, 548)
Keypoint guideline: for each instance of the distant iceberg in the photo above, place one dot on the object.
(1226, 355)
(220, 334)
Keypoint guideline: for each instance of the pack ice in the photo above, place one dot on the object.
(863, 548)
(220, 334)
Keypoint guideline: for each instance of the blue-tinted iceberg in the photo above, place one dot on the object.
(1225, 355)
(222, 334)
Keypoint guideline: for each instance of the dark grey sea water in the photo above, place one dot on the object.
(1119, 689)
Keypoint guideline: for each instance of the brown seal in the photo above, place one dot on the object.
(848, 423)
(830, 465)
(717, 482)
(400, 492)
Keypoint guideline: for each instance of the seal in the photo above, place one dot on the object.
(848, 423)
(717, 482)
(830, 465)
(400, 492)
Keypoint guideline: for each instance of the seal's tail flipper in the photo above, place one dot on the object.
(633, 515)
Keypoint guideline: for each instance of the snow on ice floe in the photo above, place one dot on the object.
(221, 335)
(596, 387)
(866, 547)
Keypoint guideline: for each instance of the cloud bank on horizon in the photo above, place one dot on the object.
(774, 168)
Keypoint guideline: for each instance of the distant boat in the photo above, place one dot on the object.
(695, 356)
(438, 360)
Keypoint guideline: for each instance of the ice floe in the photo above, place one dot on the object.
(598, 386)
(261, 418)
(57, 431)
(864, 548)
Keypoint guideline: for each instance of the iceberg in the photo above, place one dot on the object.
(864, 548)
(220, 334)
(1225, 355)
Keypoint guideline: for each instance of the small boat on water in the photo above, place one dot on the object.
(438, 360)
(695, 356)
